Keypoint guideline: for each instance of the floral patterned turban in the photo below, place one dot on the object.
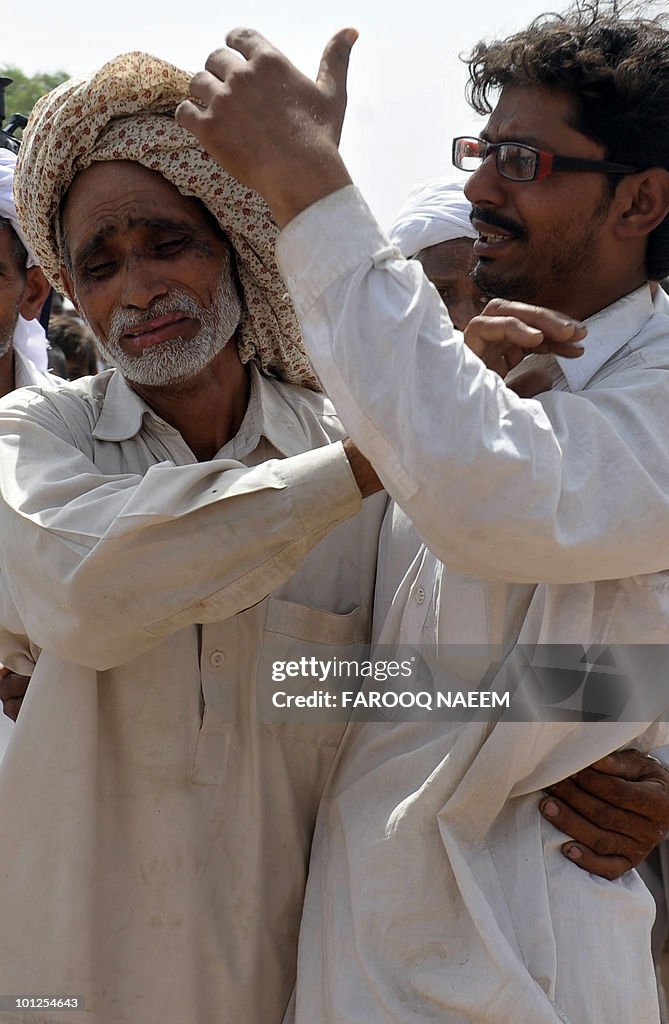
(125, 111)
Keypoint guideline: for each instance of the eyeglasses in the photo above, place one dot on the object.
(524, 163)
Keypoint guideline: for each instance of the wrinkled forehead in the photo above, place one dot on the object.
(119, 188)
(453, 258)
(113, 197)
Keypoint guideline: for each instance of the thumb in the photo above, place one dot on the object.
(333, 70)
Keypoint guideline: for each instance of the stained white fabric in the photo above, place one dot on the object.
(155, 831)
(435, 211)
(437, 891)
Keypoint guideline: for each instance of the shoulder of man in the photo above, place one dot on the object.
(68, 409)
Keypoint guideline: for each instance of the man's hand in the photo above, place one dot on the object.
(617, 810)
(362, 470)
(12, 691)
(270, 126)
(505, 332)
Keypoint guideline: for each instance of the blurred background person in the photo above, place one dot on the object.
(23, 292)
(76, 341)
(434, 227)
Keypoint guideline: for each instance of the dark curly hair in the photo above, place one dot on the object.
(615, 65)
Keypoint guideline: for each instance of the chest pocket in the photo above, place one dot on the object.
(307, 657)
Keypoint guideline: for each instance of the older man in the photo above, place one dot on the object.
(434, 893)
(434, 226)
(155, 830)
(23, 291)
(23, 344)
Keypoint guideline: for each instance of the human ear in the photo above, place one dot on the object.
(643, 200)
(35, 293)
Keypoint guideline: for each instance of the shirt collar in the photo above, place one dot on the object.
(122, 410)
(661, 301)
(609, 330)
(268, 415)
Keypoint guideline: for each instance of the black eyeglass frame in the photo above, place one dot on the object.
(544, 163)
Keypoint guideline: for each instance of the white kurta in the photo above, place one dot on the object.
(155, 832)
(437, 891)
(26, 374)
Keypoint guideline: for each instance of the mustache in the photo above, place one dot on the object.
(493, 219)
(124, 320)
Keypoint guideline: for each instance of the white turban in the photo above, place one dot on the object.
(436, 211)
(29, 336)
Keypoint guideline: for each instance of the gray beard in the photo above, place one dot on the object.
(6, 339)
(177, 360)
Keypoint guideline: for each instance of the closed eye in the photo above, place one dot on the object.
(171, 247)
(98, 271)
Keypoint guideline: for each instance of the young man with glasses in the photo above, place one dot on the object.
(434, 892)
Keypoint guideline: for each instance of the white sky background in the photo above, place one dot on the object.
(406, 84)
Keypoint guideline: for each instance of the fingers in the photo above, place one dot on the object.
(12, 691)
(606, 867)
(211, 84)
(272, 128)
(507, 330)
(647, 795)
(207, 86)
(332, 75)
(333, 69)
(12, 685)
(604, 852)
(630, 764)
(221, 63)
(503, 334)
(203, 87)
(11, 708)
(566, 349)
(556, 327)
(249, 43)
(609, 816)
(606, 817)
(363, 471)
(500, 342)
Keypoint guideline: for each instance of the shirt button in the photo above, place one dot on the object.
(217, 658)
(420, 595)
